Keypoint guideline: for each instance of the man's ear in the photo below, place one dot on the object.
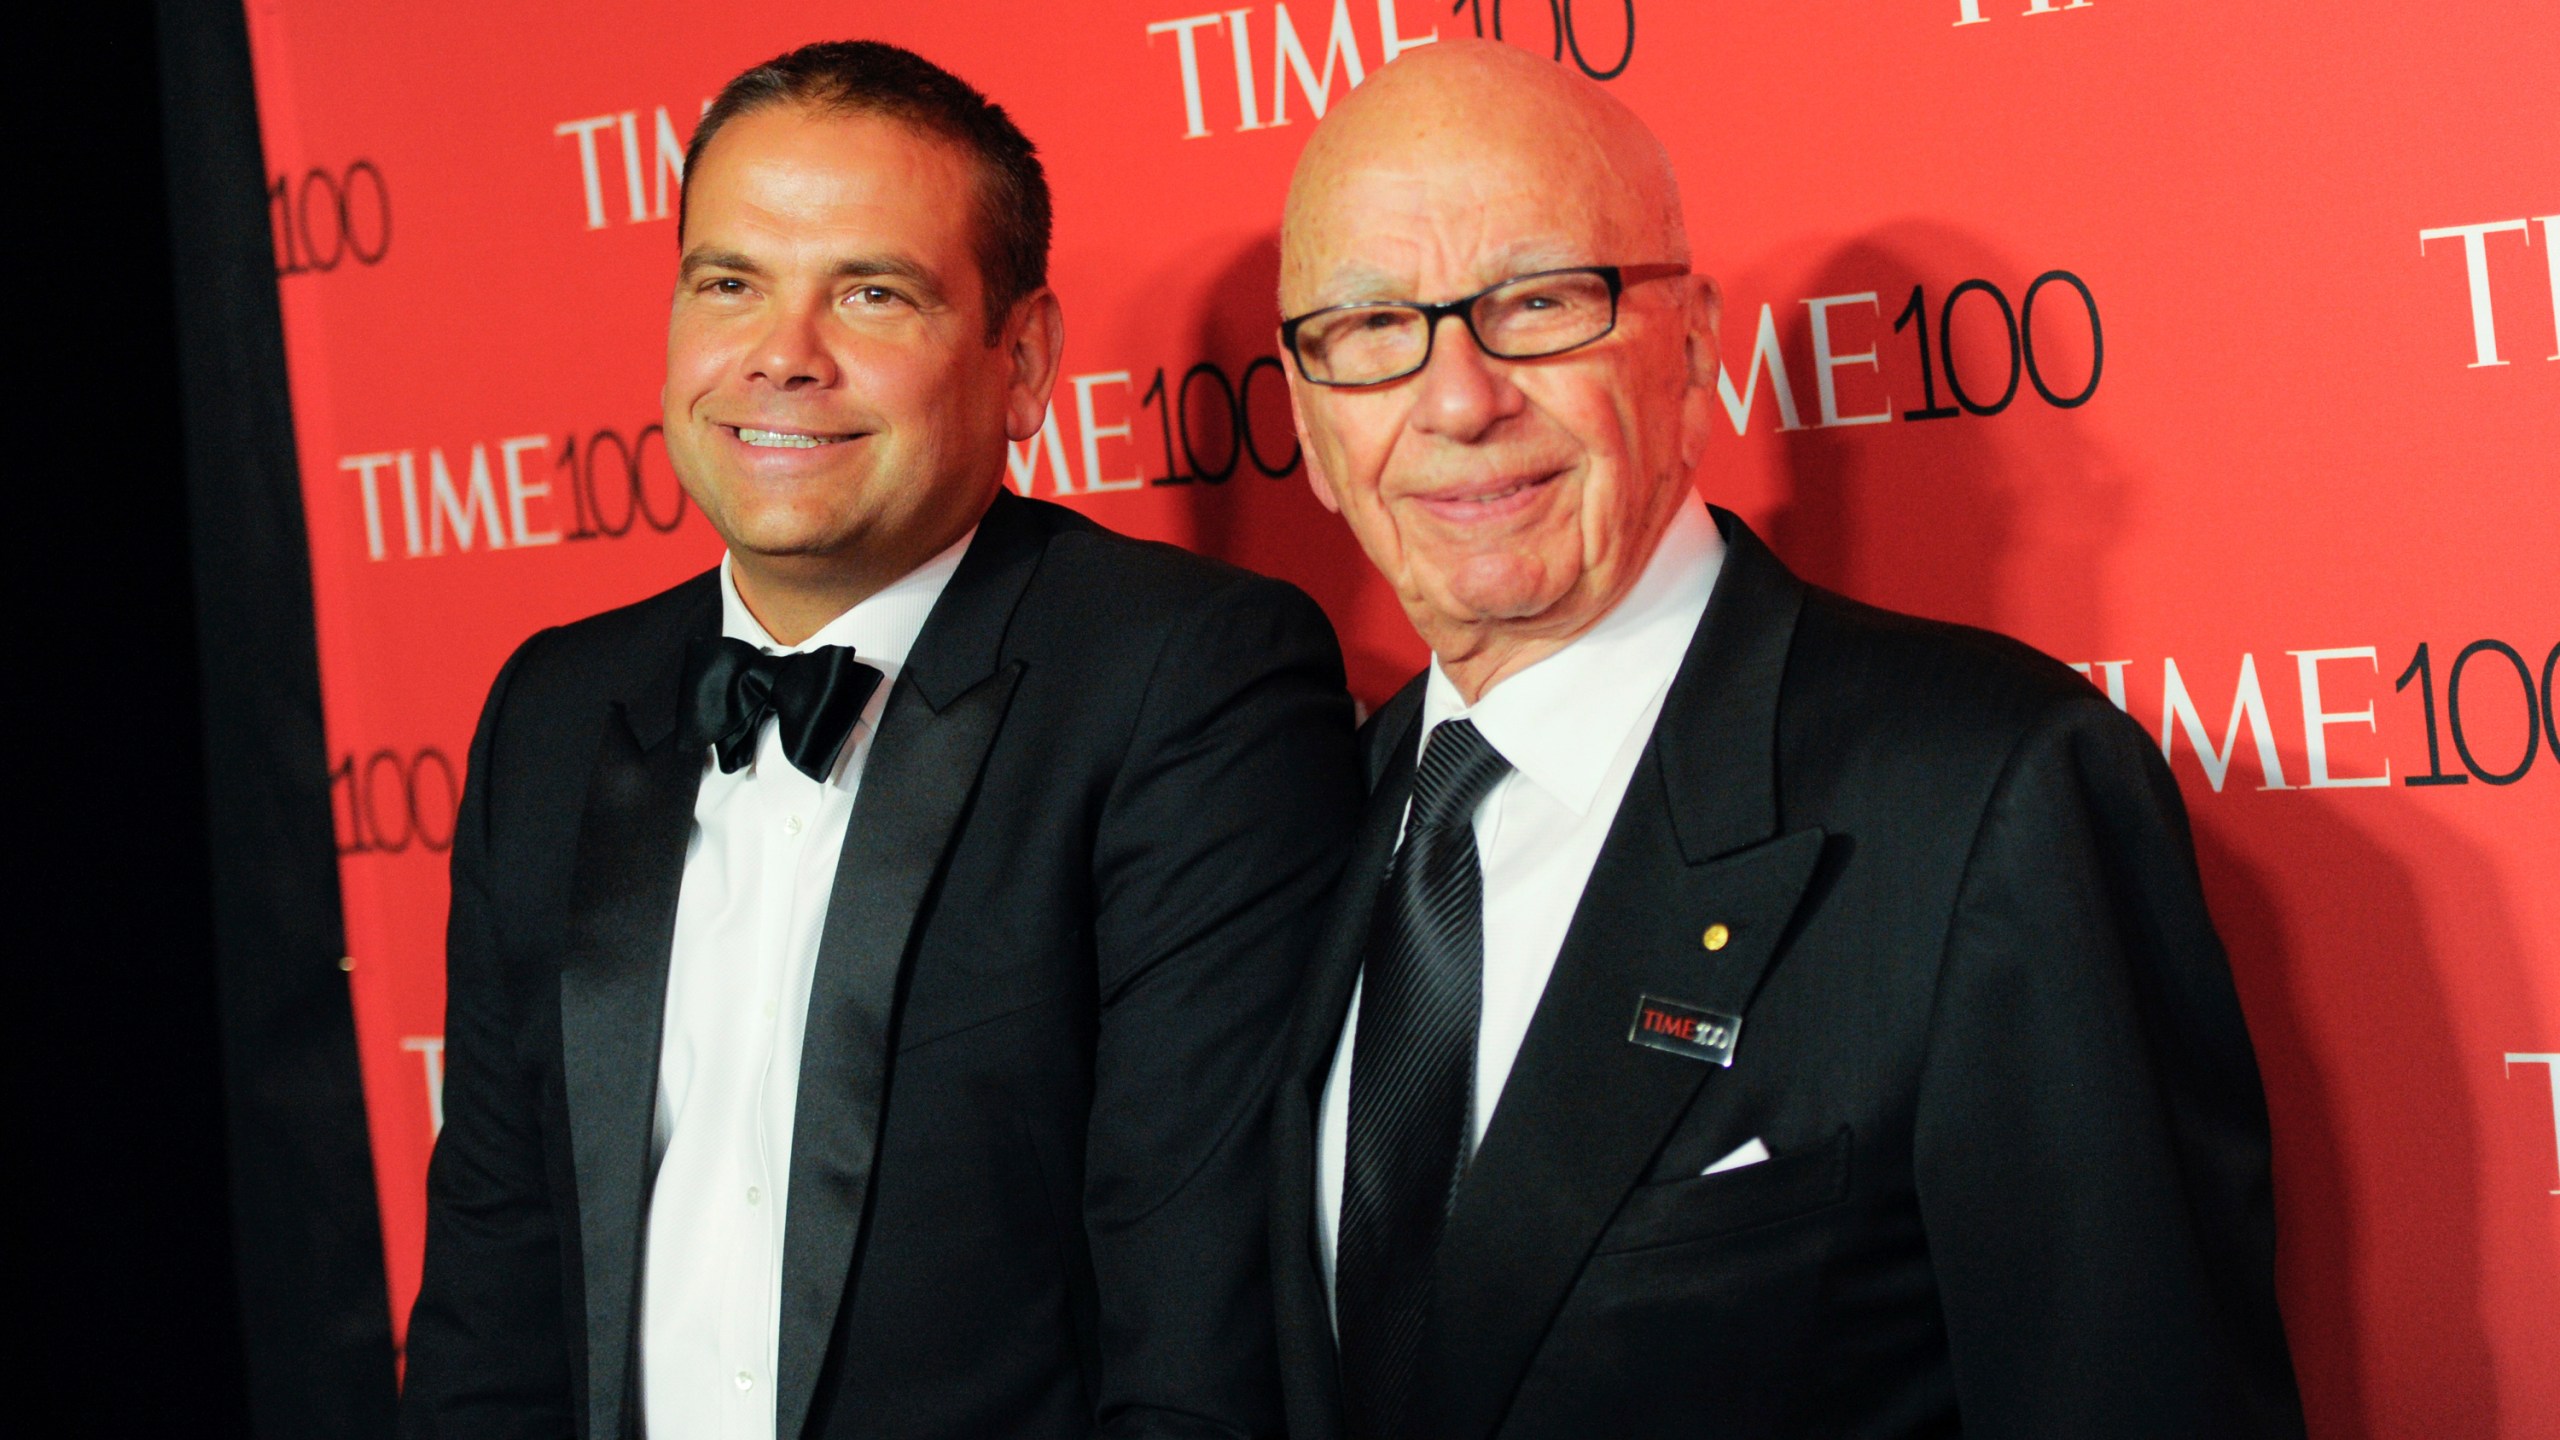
(1315, 480)
(1704, 326)
(1306, 447)
(1702, 329)
(1034, 339)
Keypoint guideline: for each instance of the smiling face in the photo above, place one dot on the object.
(833, 402)
(1511, 503)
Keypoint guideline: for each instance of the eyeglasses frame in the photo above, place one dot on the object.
(1616, 277)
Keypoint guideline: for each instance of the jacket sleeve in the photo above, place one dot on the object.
(487, 1354)
(2091, 1150)
(1219, 842)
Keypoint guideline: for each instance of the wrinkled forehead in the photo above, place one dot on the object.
(1446, 204)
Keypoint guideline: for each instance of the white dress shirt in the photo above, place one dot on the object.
(1573, 726)
(758, 870)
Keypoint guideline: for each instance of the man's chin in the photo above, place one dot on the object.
(1500, 591)
(807, 553)
(788, 541)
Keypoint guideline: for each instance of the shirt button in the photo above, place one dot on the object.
(745, 1380)
(791, 825)
(755, 1195)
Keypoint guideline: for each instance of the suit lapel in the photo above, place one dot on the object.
(1306, 1327)
(935, 732)
(613, 986)
(1584, 1111)
(1346, 935)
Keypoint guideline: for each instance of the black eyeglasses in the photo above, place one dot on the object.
(1523, 318)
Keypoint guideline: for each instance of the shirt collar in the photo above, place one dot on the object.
(1562, 720)
(881, 629)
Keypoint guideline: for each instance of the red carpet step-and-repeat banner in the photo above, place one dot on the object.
(2206, 344)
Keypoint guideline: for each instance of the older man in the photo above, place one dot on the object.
(1747, 1012)
(865, 963)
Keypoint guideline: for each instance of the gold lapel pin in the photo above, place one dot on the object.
(1717, 937)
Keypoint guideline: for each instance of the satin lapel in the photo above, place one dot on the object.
(1306, 1329)
(1585, 1109)
(613, 989)
(935, 732)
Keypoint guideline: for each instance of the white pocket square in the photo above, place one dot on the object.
(1750, 1152)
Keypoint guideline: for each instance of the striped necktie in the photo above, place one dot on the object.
(1412, 1080)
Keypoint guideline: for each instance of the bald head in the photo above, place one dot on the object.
(1468, 123)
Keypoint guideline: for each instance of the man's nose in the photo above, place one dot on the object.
(1464, 392)
(792, 353)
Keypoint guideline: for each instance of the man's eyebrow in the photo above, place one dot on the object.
(891, 267)
(1357, 284)
(1361, 285)
(697, 261)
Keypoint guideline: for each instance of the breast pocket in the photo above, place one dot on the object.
(1698, 1207)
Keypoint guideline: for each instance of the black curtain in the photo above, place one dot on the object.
(194, 1212)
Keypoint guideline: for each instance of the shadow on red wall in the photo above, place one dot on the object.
(1272, 523)
(2000, 520)
(2339, 959)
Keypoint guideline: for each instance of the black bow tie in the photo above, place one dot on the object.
(730, 686)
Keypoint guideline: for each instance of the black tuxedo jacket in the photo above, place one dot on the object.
(1086, 864)
(2018, 1174)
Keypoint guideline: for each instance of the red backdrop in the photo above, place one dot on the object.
(2274, 454)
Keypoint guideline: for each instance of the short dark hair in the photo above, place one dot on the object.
(867, 77)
